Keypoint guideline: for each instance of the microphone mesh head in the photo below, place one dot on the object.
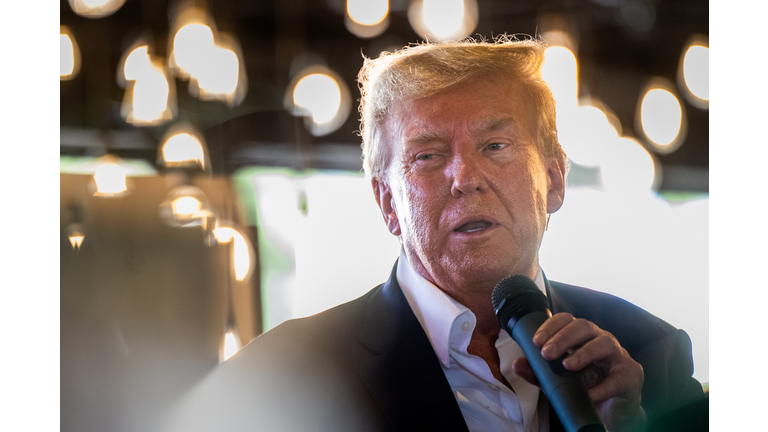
(519, 296)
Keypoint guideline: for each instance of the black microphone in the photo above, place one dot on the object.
(521, 309)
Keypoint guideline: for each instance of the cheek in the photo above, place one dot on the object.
(422, 211)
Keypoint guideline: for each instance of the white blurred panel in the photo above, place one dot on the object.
(640, 248)
(333, 250)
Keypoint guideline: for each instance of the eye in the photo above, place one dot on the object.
(425, 156)
(496, 146)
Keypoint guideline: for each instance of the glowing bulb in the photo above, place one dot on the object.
(230, 345)
(150, 96)
(76, 234)
(190, 46)
(76, 241)
(367, 12)
(628, 167)
(443, 17)
(185, 206)
(661, 117)
(320, 95)
(95, 8)
(224, 234)
(242, 255)
(561, 73)
(218, 75)
(67, 55)
(146, 100)
(137, 64)
(696, 71)
(183, 149)
(110, 179)
(443, 20)
(584, 132)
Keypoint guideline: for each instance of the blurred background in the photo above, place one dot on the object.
(211, 184)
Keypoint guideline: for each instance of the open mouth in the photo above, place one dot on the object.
(474, 226)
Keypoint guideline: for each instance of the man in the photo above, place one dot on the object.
(461, 148)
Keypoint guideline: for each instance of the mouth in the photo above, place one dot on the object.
(474, 226)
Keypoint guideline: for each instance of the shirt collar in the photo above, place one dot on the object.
(436, 310)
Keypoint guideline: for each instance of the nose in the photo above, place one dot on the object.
(467, 174)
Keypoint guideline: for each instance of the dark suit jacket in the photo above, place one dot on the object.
(368, 365)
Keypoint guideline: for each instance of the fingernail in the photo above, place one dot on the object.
(546, 350)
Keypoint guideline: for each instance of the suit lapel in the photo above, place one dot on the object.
(403, 374)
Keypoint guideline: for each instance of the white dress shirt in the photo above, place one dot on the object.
(485, 402)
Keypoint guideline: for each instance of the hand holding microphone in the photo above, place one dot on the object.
(563, 354)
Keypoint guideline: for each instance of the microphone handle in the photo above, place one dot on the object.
(563, 388)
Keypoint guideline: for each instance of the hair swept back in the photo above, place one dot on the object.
(421, 70)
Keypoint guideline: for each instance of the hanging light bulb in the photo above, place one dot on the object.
(150, 96)
(443, 20)
(183, 148)
(243, 257)
(187, 206)
(661, 117)
(110, 179)
(231, 345)
(367, 18)
(211, 61)
(319, 95)
(693, 72)
(75, 231)
(95, 8)
(69, 56)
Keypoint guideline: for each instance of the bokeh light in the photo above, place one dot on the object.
(76, 234)
(319, 95)
(109, 180)
(95, 8)
(443, 20)
(628, 168)
(693, 73)
(69, 56)
(367, 12)
(187, 207)
(560, 72)
(584, 134)
(661, 117)
(189, 42)
(210, 60)
(243, 258)
(183, 148)
(367, 18)
(148, 96)
(231, 346)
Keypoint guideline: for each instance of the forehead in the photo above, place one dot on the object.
(478, 106)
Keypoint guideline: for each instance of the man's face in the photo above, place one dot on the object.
(466, 187)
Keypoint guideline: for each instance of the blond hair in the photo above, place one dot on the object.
(419, 71)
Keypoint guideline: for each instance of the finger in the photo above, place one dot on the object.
(522, 368)
(603, 348)
(571, 336)
(550, 327)
(625, 381)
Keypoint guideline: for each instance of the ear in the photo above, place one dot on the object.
(556, 177)
(385, 200)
